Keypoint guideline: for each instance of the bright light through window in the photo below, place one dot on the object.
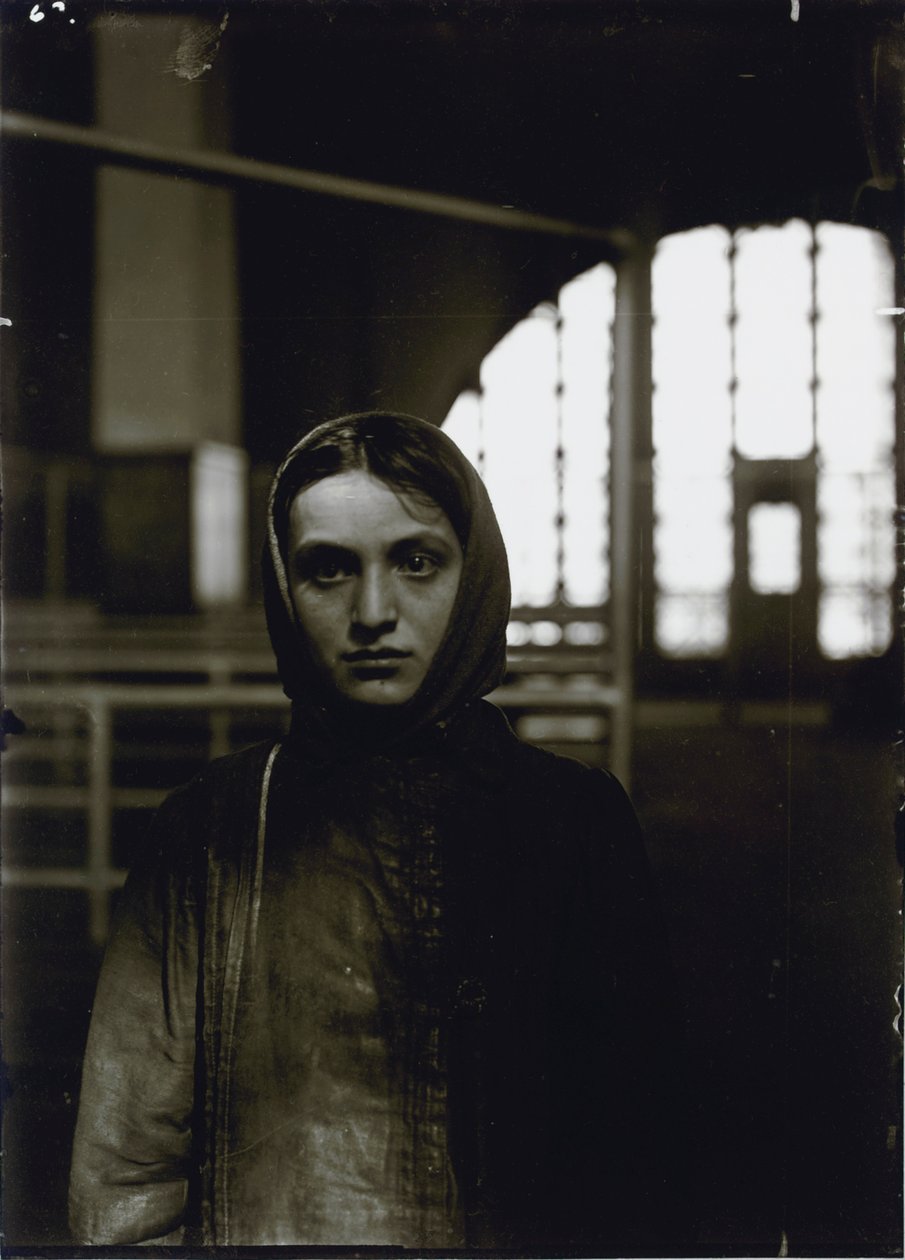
(510, 433)
(767, 344)
(692, 430)
(518, 381)
(773, 342)
(692, 354)
(774, 548)
(748, 305)
(587, 306)
(855, 351)
(463, 425)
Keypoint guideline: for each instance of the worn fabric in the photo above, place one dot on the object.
(397, 986)
(464, 1042)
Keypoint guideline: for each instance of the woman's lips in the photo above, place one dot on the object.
(374, 656)
(375, 664)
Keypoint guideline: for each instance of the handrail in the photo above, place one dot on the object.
(149, 695)
(99, 797)
(257, 695)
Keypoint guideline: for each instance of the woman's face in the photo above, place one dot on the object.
(373, 575)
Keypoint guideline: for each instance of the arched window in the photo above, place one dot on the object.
(538, 432)
(773, 436)
(773, 368)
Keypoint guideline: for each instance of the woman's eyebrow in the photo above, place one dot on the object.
(423, 538)
(307, 546)
(316, 550)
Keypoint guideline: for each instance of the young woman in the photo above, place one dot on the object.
(396, 980)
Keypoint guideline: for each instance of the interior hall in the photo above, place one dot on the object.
(643, 261)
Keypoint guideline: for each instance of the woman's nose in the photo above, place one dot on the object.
(375, 604)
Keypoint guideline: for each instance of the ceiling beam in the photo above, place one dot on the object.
(219, 166)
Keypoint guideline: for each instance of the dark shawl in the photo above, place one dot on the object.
(471, 660)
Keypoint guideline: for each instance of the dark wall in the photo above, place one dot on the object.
(626, 114)
(348, 308)
(649, 117)
(47, 200)
(690, 111)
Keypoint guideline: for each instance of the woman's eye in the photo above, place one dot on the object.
(327, 572)
(323, 570)
(420, 565)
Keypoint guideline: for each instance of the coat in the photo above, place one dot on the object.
(521, 963)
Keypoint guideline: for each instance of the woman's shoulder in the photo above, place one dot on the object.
(217, 807)
(238, 770)
(231, 776)
(538, 772)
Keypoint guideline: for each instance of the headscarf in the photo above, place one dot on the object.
(471, 659)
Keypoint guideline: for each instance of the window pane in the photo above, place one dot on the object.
(587, 306)
(855, 429)
(773, 341)
(856, 530)
(463, 425)
(854, 623)
(855, 348)
(692, 431)
(774, 548)
(692, 414)
(519, 378)
(692, 625)
(694, 534)
(510, 433)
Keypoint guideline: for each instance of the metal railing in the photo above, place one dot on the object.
(108, 706)
(99, 796)
(90, 743)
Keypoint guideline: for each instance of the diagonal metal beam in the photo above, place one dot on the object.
(219, 166)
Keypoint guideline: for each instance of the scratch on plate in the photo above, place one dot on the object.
(37, 14)
(198, 46)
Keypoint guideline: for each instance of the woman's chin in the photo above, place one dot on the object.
(380, 694)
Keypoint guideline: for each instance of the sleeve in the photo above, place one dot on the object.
(131, 1156)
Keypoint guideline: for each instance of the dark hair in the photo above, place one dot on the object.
(397, 450)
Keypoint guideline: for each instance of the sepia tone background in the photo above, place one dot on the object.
(222, 224)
